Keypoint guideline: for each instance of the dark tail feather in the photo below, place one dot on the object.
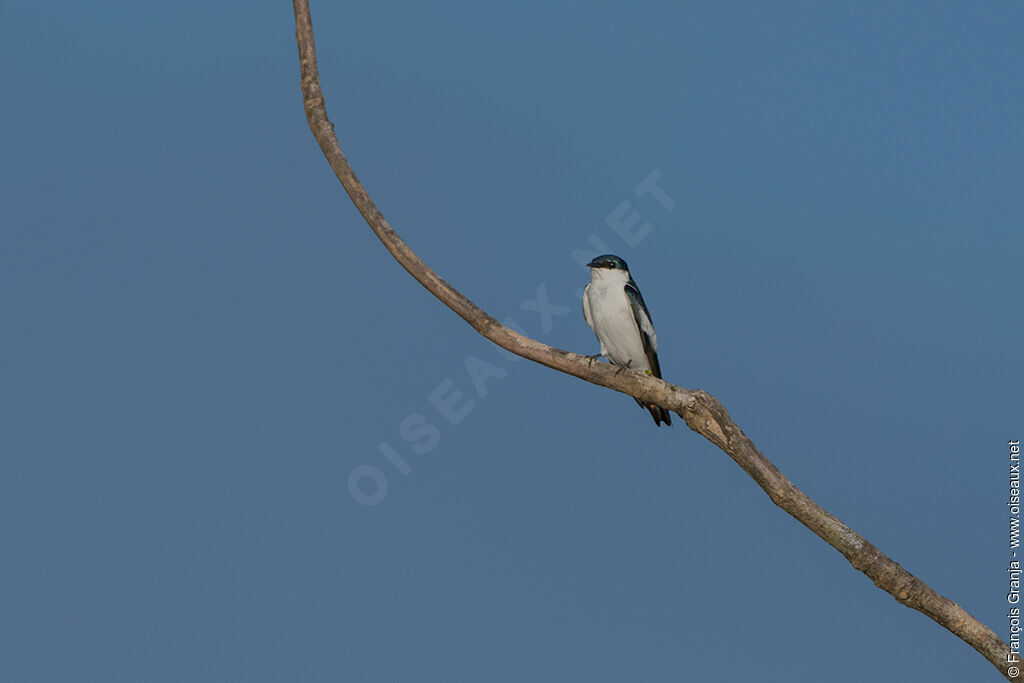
(659, 414)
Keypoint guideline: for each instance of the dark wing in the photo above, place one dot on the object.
(643, 323)
(650, 339)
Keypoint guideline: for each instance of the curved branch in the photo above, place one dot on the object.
(701, 411)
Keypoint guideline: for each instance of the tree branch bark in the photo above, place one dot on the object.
(701, 411)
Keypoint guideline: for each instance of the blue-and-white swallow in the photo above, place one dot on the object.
(615, 310)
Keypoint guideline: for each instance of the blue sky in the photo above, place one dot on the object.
(202, 340)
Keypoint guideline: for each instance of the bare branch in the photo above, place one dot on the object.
(701, 411)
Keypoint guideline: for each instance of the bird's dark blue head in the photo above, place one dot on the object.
(610, 261)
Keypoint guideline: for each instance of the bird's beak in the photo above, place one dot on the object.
(592, 264)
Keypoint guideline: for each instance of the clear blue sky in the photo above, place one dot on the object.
(202, 341)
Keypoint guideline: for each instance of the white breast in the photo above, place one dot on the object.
(610, 315)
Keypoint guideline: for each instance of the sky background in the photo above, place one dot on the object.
(202, 341)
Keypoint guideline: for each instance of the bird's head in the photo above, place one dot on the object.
(609, 262)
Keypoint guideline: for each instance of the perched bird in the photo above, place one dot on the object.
(615, 310)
